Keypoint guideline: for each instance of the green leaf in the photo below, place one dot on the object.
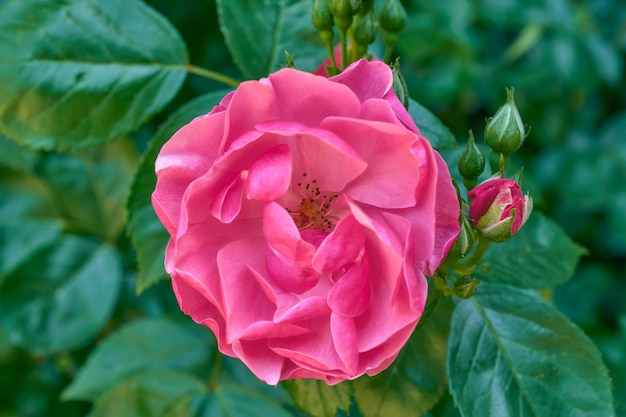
(234, 391)
(415, 382)
(583, 298)
(318, 399)
(614, 354)
(148, 394)
(20, 242)
(229, 400)
(258, 32)
(62, 296)
(512, 354)
(144, 345)
(148, 235)
(90, 187)
(25, 196)
(234, 371)
(430, 126)
(75, 73)
(17, 157)
(541, 255)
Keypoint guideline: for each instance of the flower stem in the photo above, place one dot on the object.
(344, 48)
(331, 54)
(212, 75)
(468, 266)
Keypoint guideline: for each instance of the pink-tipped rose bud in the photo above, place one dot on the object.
(499, 209)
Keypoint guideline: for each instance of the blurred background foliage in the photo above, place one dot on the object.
(565, 59)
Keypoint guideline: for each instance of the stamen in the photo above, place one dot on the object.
(313, 211)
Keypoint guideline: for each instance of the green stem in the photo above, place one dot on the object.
(388, 52)
(468, 266)
(331, 53)
(344, 48)
(212, 75)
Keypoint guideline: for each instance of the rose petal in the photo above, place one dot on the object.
(399, 287)
(314, 350)
(264, 363)
(345, 340)
(270, 175)
(202, 312)
(340, 247)
(288, 256)
(250, 103)
(378, 109)
(300, 309)
(392, 171)
(446, 218)
(366, 79)
(379, 358)
(322, 155)
(350, 296)
(227, 202)
(309, 99)
(179, 163)
(244, 301)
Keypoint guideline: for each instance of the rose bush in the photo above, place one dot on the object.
(498, 208)
(304, 214)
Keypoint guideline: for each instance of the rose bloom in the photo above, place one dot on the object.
(498, 208)
(304, 214)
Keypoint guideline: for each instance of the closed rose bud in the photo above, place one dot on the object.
(321, 15)
(465, 287)
(392, 17)
(364, 30)
(505, 131)
(472, 162)
(498, 209)
(357, 5)
(341, 8)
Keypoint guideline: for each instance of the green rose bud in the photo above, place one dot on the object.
(472, 162)
(505, 131)
(341, 8)
(321, 16)
(356, 6)
(392, 17)
(364, 30)
(465, 287)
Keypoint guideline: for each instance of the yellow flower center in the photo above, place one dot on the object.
(313, 211)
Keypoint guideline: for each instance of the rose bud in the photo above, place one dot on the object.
(364, 32)
(321, 16)
(498, 209)
(465, 287)
(472, 162)
(505, 131)
(392, 17)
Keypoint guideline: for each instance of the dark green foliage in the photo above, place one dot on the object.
(84, 316)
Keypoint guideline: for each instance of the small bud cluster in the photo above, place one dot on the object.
(496, 208)
(355, 20)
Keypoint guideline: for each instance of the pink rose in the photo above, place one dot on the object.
(498, 208)
(304, 213)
